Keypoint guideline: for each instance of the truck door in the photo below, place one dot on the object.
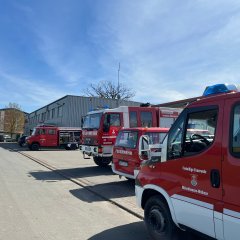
(42, 136)
(51, 139)
(111, 126)
(231, 169)
(192, 170)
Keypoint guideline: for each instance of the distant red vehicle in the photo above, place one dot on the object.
(52, 136)
(126, 150)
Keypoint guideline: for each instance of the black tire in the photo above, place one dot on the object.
(35, 147)
(158, 219)
(73, 147)
(101, 161)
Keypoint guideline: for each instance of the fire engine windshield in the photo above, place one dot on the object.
(33, 132)
(92, 121)
(156, 137)
(127, 139)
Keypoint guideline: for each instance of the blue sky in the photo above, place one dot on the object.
(168, 50)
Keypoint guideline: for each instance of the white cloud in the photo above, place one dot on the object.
(169, 51)
(27, 92)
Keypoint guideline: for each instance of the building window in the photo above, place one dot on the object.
(53, 112)
(48, 115)
(60, 111)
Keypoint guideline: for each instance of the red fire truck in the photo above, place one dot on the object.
(52, 136)
(196, 184)
(100, 128)
(126, 148)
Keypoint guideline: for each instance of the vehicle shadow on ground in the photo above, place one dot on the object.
(130, 231)
(14, 147)
(110, 190)
(11, 146)
(138, 231)
(82, 172)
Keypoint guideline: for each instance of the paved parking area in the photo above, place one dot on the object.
(99, 180)
(90, 177)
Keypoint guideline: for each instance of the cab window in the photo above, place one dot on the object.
(114, 119)
(200, 131)
(42, 131)
(192, 134)
(146, 119)
(235, 131)
(156, 137)
(174, 147)
(133, 119)
(51, 132)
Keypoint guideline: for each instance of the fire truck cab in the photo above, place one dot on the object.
(196, 184)
(100, 128)
(125, 152)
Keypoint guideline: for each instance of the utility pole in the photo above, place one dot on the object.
(118, 95)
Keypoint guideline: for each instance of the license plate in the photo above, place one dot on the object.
(88, 149)
(123, 163)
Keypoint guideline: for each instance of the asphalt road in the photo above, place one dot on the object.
(38, 203)
(46, 209)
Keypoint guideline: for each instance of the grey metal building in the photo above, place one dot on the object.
(68, 111)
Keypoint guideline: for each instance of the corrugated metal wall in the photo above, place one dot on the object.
(73, 108)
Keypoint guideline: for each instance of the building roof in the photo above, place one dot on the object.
(76, 96)
(178, 104)
(5, 109)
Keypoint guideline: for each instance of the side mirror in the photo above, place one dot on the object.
(82, 120)
(144, 148)
(106, 124)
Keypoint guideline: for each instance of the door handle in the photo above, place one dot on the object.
(215, 178)
(152, 166)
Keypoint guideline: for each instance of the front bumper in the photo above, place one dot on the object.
(121, 173)
(106, 151)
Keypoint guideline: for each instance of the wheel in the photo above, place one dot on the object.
(35, 147)
(73, 147)
(101, 161)
(158, 219)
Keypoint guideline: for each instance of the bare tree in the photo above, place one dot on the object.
(13, 119)
(107, 89)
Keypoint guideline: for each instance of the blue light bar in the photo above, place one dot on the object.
(219, 88)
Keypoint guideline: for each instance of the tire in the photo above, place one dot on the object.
(158, 219)
(73, 147)
(35, 147)
(102, 162)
